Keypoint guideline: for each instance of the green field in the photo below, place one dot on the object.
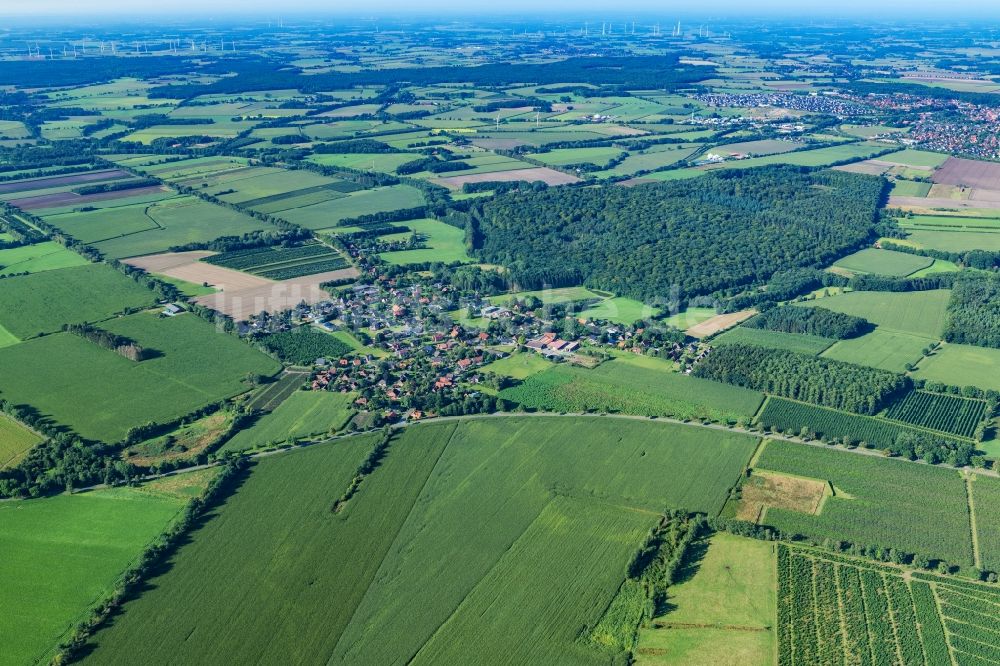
(725, 611)
(557, 296)
(915, 158)
(918, 312)
(7, 338)
(689, 317)
(123, 228)
(15, 441)
(189, 289)
(617, 386)
(882, 348)
(364, 202)
(44, 302)
(410, 567)
(953, 241)
(36, 258)
(962, 365)
(796, 342)
(101, 394)
(519, 365)
(445, 244)
(382, 162)
(888, 503)
(61, 554)
(986, 497)
(620, 310)
(883, 262)
(303, 414)
(811, 158)
(910, 188)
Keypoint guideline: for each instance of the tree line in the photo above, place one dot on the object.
(811, 321)
(811, 379)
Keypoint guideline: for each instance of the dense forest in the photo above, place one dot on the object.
(974, 311)
(813, 321)
(724, 230)
(655, 72)
(818, 381)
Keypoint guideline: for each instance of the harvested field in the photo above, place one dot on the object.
(57, 199)
(719, 323)
(632, 182)
(969, 173)
(241, 294)
(185, 266)
(767, 489)
(869, 167)
(548, 176)
(272, 296)
(62, 181)
(927, 203)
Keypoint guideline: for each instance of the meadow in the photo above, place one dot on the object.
(196, 365)
(882, 348)
(445, 244)
(620, 310)
(796, 342)
(15, 441)
(723, 613)
(810, 158)
(617, 386)
(364, 202)
(917, 312)
(43, 302)
(519, 365)
(883, 262)
(303, 414)
(962, 365)
(46, 256)
(61, 554)
(878, 502)
(558, 492)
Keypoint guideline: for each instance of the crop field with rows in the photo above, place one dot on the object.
(282, 263)
(878, 502)
(947, 413)
(835, 610)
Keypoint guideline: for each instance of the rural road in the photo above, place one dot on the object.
(409, 424)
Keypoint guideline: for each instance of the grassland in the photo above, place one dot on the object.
(303, 414)
(616, 386)
(44, 302)
(882, 348)
(568, 501)
(445, 244)
(916, 158)
(985, 492)
(910, 188)
(811, 158)
(883, 262)
(722, 614)
(620, 310)
(364, 202)
(881, 502)
(36, 258)
(796, 342)
(917, 312)
(196, 366)
(189, 289)
(962, 365)
(61, 554)
(15, 441)
(690, 317)
(557, 296)
(519, 365)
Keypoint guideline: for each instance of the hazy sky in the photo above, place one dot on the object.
(908, 8)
